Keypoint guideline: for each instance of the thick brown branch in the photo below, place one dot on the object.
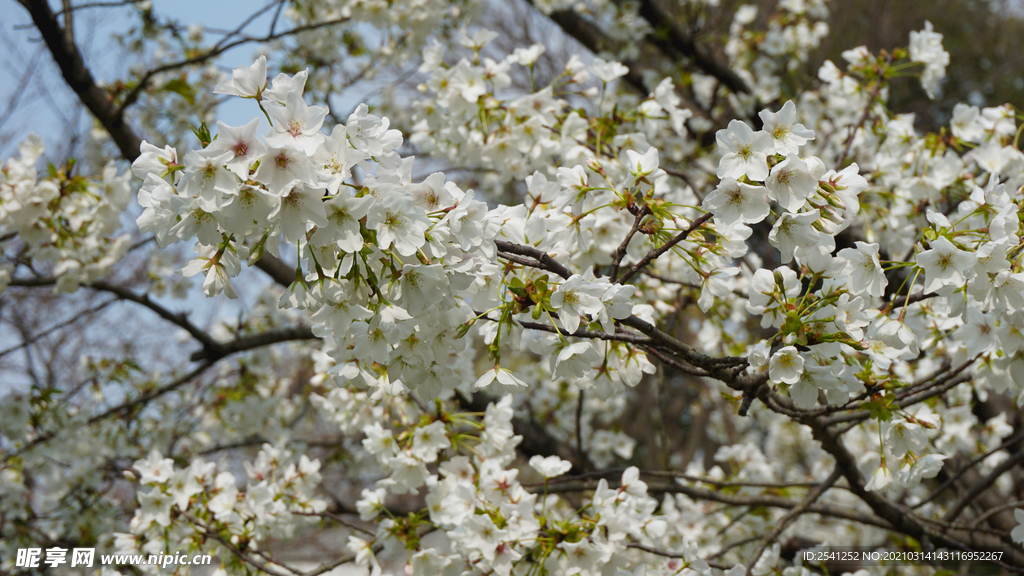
(672, 41)
(255, 341)
(279, 272)
(544, 260)
(902, 518)
(80, 79)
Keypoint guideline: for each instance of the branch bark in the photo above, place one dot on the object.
(672, 41)
(900, 517)
(77, 76)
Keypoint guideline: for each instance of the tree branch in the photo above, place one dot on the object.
(80, 79)
(673, 42)
(595, 40)
(218, 49)
(974, 462)
(762, 501)
(978, 487)
(900, 517)
(255, 341)
(790, 517)
(126, 405)
(657, 252)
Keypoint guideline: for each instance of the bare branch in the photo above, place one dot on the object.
(83, 314)
(763, 501)
(654, 254)
(790, 517)
(673, 42)
(256, 341)
(974, 462)
(978, 487)
(80, 79)
(124, 406)
(217, 50)
(234, 549)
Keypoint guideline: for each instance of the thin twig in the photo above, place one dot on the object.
(791, 516)
(657, 252)
(63, 324)
(620, 252)
(978, 487)
(974, 462)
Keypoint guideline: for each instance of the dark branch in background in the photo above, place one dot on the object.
(124, 406)
(978, 487)
(256, 341)
(974, 462)
(860, 123)
(790, 517)
(902, 518)
(615, 473)
(219, 49)
(178, 318)
(40, 335)
(282, 274)
(112, 118)
(673, 42)
(536, 442)
(211, 349)
(594, 39)
(80, 79)
(756, 501)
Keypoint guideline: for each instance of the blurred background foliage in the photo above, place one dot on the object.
(983, 38)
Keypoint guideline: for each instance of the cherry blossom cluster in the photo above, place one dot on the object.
(468, 115)
(396, 271)
(199, 508)
(764, 58)
(822, 263)
(68, 223)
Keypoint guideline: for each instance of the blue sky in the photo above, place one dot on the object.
(45, 107)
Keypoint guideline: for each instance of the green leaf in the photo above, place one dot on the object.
(182, 88)
(878, 407)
